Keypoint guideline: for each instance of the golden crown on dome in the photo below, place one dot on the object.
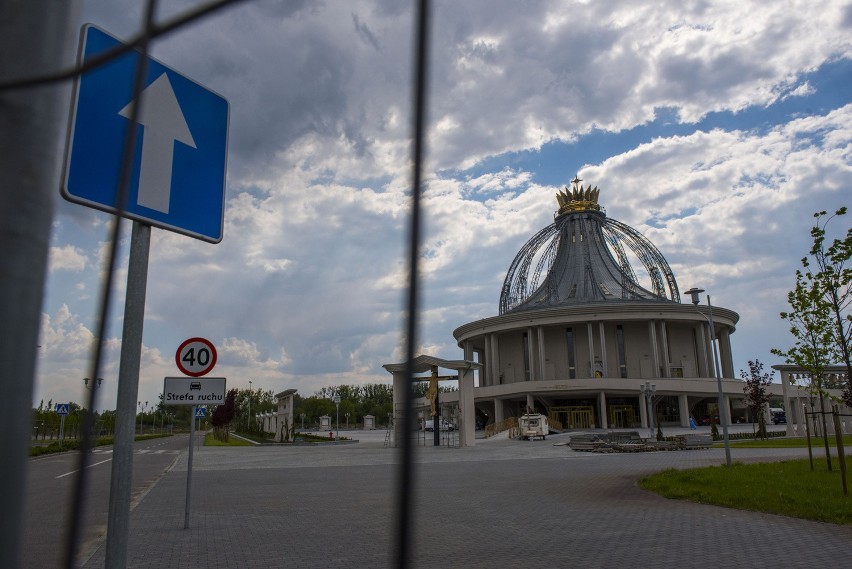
(578, 198)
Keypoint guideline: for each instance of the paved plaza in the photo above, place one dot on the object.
(502, 503)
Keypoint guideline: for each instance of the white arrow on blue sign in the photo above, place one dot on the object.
(62, 408)
(178, 175)
(200, 412)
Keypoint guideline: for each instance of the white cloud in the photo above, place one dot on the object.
(307, 287)
(67, 258)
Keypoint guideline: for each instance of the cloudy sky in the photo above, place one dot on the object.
(714, 128)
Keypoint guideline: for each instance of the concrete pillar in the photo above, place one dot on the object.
(591, 349)
(655, 351)
(495, 360)
(467, 426)
(683, 408)
(485, 376)
(727, 403)
(727, 361)
(643, 411)
(541, 358)
(498, 410)
(664, 350)
(530, 401)
(602, 410)
(702, 354)
(398, 407)
(603, 348)
(788, 408)
(531, 350)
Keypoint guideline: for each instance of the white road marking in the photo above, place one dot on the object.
(87, 466)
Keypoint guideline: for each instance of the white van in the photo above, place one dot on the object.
(533, 425)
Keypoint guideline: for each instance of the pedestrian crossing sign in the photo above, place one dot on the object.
(200, 412)
(62, 408)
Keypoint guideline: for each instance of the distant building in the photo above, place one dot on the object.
(590, 320)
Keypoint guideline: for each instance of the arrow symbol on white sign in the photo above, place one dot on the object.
(164, 123)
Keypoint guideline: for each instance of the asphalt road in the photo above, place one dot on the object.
(503, 503)
(50, 483)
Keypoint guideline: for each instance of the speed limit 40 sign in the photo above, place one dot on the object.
(196, 357)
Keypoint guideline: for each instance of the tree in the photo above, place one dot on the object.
(254, 401)
(813, 350)
(223, 415)
(833, 277)
(756, 382)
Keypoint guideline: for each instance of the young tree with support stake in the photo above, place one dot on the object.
(833, 277)
(756, 396)
(811, 326)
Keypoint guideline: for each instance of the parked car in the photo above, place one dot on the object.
(779, 419)
(445, 425)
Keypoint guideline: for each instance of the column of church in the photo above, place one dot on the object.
(532, 345)
(703, 362)
(683, 408)
(591, 336)
(727, 361)
(664, 350)
(495, 360)
(654, 348)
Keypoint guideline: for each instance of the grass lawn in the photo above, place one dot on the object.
(787, 488)
(211, 441)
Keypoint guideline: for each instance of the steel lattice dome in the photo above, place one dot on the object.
(584, 257)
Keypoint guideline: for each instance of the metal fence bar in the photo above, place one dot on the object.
(32, 225)
(405, 482)
(32, 40)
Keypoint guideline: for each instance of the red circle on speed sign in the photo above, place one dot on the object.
(196, 357)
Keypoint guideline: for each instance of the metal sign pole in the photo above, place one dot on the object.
(118, 523)
(189, 469)
(61, 429)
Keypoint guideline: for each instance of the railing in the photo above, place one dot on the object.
(510, 424)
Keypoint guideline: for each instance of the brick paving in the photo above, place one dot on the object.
(500, 504)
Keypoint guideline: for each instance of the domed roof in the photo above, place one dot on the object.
(585, 258)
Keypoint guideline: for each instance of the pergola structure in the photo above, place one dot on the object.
(802, 396)
(464, 370)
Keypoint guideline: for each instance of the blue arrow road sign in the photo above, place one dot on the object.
(178, 176)
(200, 412)
(62, 408)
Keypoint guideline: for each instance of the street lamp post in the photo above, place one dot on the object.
(337, 418)
(649, 394)
(723, 409)
(303, 421)
(249, 407)
(347, 420)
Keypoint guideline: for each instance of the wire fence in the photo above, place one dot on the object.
(141, 42)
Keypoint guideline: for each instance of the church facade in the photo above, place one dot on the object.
(592, 332)
(590, 312)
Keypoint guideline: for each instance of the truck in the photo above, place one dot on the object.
(533, 425)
